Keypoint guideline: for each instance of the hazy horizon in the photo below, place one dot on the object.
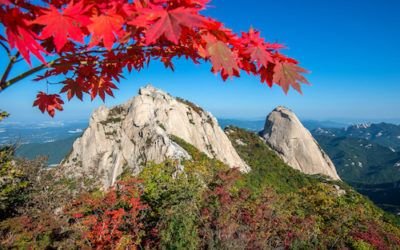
(345, 121)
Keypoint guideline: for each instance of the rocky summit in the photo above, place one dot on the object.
(127, 136)
(287, 136)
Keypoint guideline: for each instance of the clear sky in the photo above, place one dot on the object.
(350, 46)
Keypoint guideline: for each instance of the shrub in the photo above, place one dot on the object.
(13, 182)
(113, 220)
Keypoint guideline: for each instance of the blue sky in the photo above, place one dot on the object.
(351, 48)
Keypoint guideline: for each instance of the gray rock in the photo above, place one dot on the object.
(286, 135)
(129, 135)
(339, 191)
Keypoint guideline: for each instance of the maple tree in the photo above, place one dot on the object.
(90, 43)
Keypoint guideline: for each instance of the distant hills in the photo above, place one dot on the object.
(367, 156)
(385, 134)
(363, 153)
(258, 125)
(361, 160)
(55, 151)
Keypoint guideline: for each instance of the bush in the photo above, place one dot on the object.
(13, 182)
(113, 220)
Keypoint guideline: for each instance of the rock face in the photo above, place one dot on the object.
(286, 135)
(127, 136)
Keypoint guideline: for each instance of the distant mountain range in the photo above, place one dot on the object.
(258, 125)
(367, 156)
(364, 153)
(385, 134)
(361, 160)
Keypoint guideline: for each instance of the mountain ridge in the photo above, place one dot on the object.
(127, 136)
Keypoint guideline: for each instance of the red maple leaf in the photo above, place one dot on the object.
(168, 23)
(19, 35)
(258, 49)
(106, 27)
(65, 24)
(48, 103)
(259, 54)
(288, 74)
(75, 88)
(267, 74)
(222, 57)
(102, 86)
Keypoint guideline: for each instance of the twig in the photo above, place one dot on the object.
(5, 47)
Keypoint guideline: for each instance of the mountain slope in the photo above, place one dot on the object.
(201, 203)
(267, 167)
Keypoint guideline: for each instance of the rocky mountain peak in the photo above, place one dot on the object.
(286, 135)
(125, 137)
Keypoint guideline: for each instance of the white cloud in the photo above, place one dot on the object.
(76, 131)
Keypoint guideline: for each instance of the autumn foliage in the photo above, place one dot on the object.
(113, 220)
(90, 43)
(205, 206)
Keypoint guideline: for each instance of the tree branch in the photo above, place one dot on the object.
(5, 47)
(5, 84)
(8, 69)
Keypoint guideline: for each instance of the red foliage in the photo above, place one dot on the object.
(48, 103)
(375, 236)
(114, 220)
(63, 25)
(236, 219)
(19, 34)
(91, 42)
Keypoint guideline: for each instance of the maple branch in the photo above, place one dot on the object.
(8, 69)
(5, 84)
(5, 47)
